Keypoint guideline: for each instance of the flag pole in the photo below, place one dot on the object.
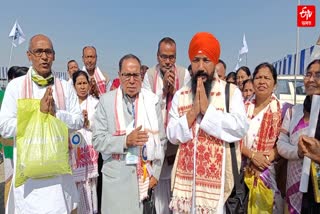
(11, 52)
(297, 62)
(246, 59)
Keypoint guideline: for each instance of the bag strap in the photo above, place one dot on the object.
(235, 171)
(227, 96)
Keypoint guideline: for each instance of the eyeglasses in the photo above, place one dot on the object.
(127, 76)
(38, 52)
(315, 75)
(165, 57)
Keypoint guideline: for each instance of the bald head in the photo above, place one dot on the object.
(39, 37)
(41, 54)
(89, 58)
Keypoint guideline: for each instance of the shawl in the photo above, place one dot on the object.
(27, 89)
(270, 125)
(148, 120)
(209, 158)
(100, 79)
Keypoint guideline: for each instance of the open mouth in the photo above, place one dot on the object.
(45, 65)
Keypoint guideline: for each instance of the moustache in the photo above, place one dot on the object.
(201, 73)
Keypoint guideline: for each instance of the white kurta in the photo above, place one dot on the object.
(147, 85)
(89, 166)
(53, 195)
(229, 127)
(162, 190)
(86, 174)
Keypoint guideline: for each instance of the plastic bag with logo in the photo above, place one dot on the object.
(42, 143)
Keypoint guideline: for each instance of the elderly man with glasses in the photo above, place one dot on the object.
(58, 193)
(129, 133)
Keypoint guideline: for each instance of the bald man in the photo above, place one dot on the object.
(56, 194)
(99, 81)
(198, 116)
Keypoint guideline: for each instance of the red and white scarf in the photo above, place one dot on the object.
(27, 89)
(209, 169)
(157, 89)
(158, 81)
(100, 79)
(85, 157)
(148, 120)
(269, 129)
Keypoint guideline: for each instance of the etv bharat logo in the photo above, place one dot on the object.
(306, 16)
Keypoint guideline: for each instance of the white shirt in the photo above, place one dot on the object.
(53, 195)
(229, 127)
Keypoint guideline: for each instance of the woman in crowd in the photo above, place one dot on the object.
(259, 144)
(294, 125)
(243, 73)
(231, 78)
(85, 158)
(247, 90)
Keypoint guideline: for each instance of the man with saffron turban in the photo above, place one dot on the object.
(202, 177)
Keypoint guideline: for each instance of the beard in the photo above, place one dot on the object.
(207, 84)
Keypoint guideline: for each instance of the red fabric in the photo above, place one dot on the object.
(205, 43)
(115, 84)
(270, 126)
(269, 130)
(209, 167)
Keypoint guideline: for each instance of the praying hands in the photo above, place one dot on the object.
(94, 91)
(200, 103)
(169, 82)
(47, 103)
(86, 123)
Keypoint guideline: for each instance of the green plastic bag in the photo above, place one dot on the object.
(42, 143)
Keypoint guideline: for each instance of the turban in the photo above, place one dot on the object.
(205, 43)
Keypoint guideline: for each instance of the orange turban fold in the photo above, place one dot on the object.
(205, 43)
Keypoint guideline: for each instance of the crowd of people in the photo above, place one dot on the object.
(158, 135)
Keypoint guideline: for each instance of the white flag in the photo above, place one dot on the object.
(17, 35)
(238, 63)
(244, 48)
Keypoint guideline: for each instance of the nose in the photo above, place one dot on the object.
(44, 55)
(167, 60)
(131, 80)
(201, 65)
(312, 78)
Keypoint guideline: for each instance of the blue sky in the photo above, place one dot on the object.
(120, 27)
